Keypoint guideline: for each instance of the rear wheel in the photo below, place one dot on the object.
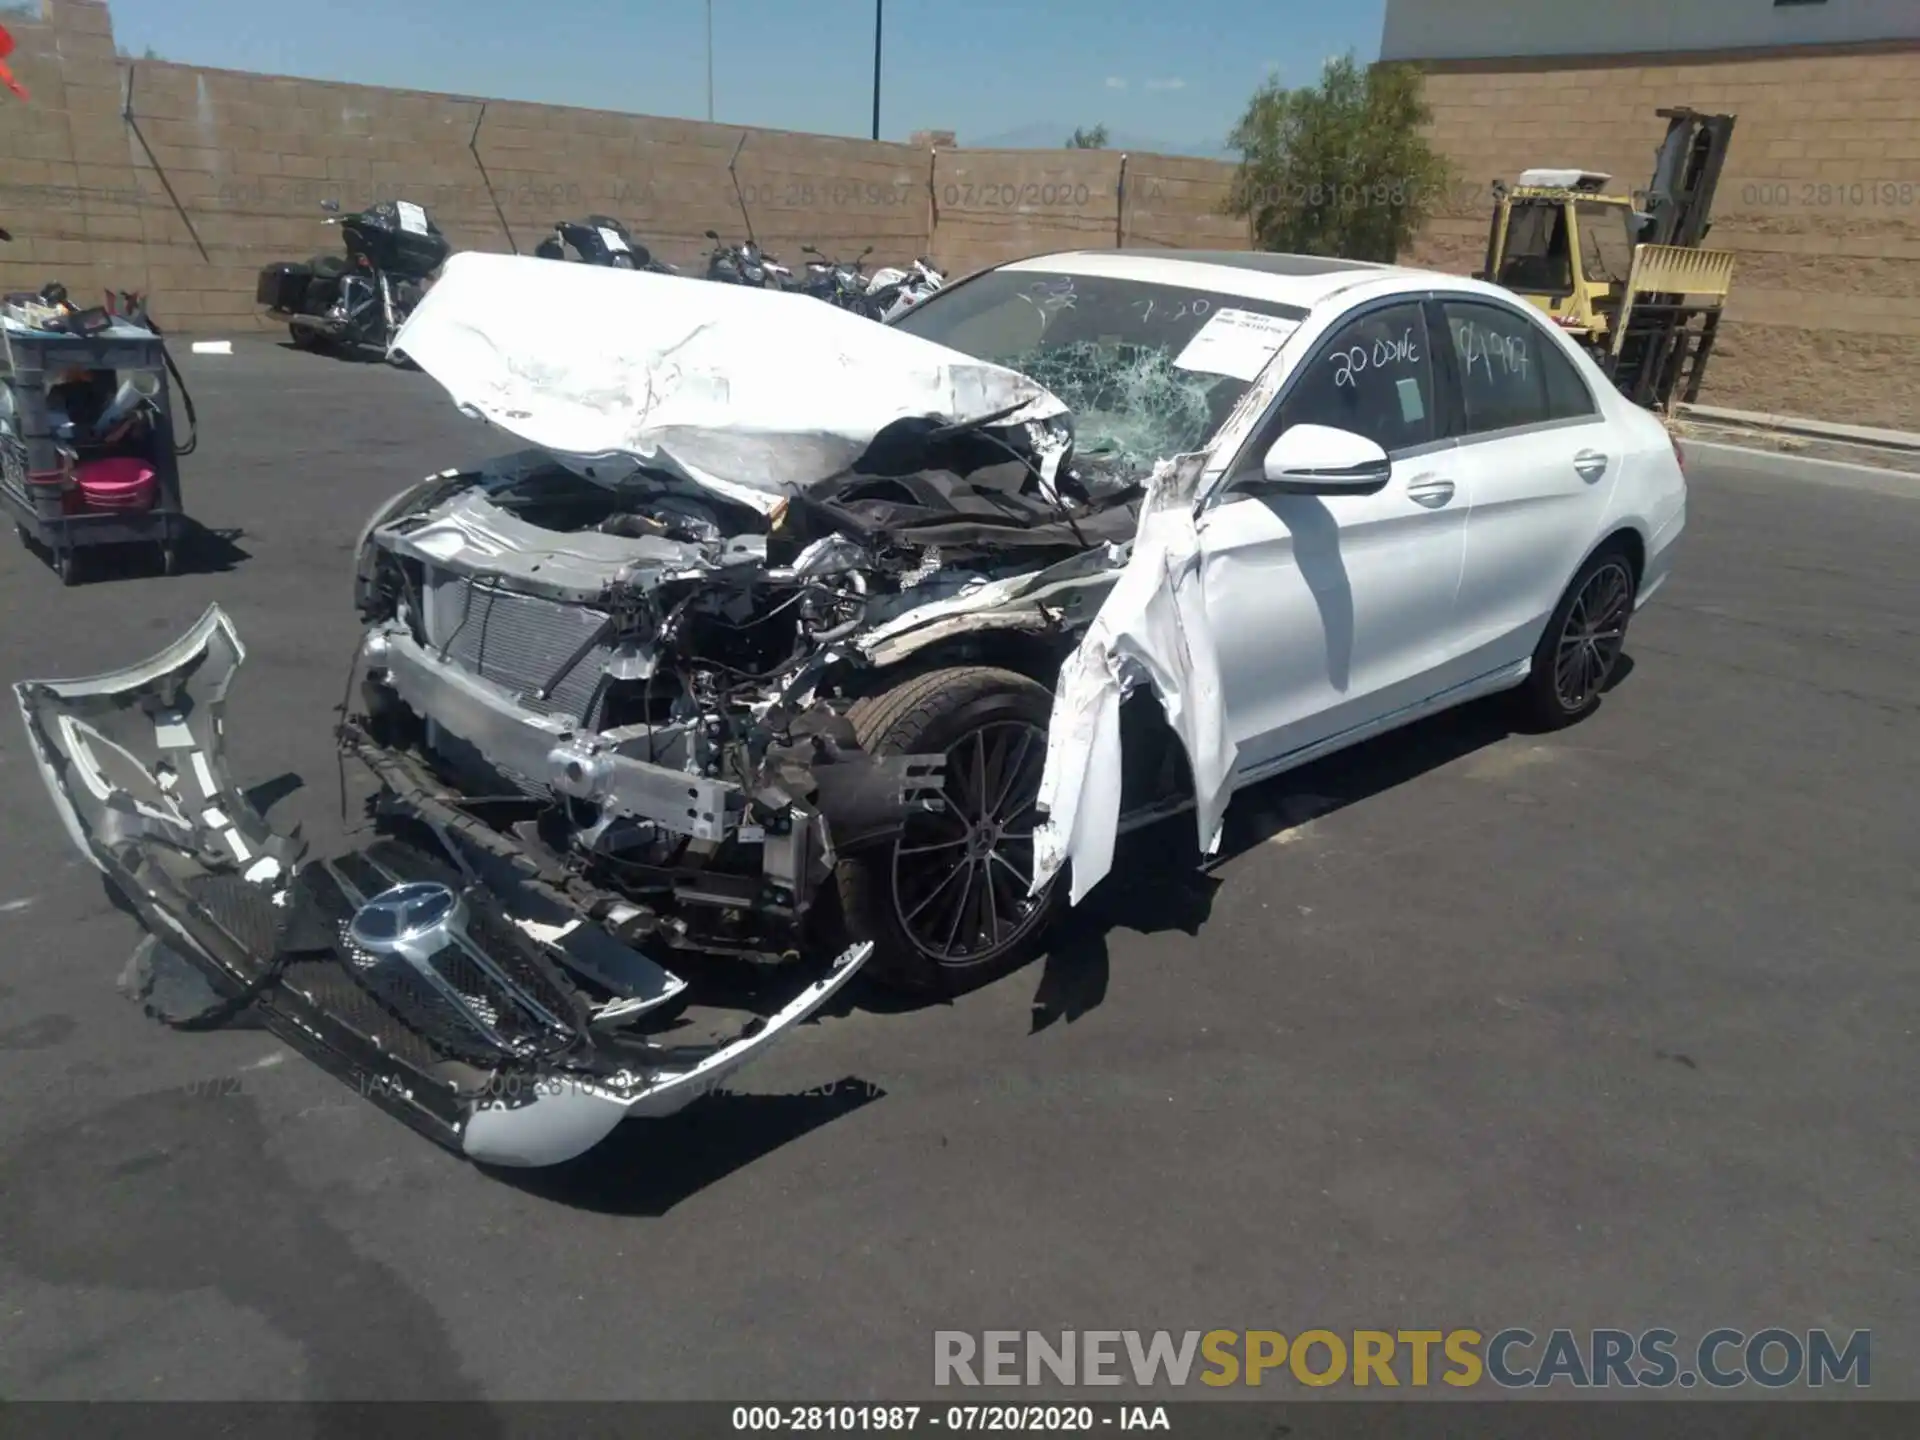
(946, 904)
(1580, 651)
(305, 338)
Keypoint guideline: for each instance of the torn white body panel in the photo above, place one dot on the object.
(1152, 627)
(734, 386)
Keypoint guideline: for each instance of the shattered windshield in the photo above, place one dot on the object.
(1148, 370)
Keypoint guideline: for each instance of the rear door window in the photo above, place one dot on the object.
(1511, 371)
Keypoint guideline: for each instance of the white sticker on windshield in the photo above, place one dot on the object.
(1238, 343)
(412, 218)
(611, 239)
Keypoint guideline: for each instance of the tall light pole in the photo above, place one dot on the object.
(878, 6)
(709, 62)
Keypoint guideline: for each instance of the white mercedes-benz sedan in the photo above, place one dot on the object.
(833, 646)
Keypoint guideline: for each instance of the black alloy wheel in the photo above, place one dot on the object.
(961, 875)
(947, 902)
(1579, 654)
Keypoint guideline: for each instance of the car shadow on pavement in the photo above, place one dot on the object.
(346, 355)
(1162, 887)
(1163, 882)
(201, 551)
(212, 551)
(1266, 812)
(646, 1167)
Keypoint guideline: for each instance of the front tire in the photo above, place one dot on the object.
(1580, 651)
(946, 904)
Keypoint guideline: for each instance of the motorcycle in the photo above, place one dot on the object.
(893, 292)
(745, 264)
(600, 240)
(838, 282)
(393, 250)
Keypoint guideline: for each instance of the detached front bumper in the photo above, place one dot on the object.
(494, 1025)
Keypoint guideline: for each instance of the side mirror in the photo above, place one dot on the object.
(332, 207)
(711, 234)
(1319, 460)
(866, 252)
(808, 250)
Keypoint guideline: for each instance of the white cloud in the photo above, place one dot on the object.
(1176, 83)
(1114, 82)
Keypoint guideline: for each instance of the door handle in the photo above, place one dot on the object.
(1429, 490)
(1591, 464)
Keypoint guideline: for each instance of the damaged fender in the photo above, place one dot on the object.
(1151, 629)
(464, 1020)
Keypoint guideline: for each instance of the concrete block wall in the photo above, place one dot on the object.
(1820, 199)
(182, 181)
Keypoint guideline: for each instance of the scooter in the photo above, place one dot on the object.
(393, 250)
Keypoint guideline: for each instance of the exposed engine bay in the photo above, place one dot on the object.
(657, 680)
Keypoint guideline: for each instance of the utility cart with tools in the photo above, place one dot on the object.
(87, 450)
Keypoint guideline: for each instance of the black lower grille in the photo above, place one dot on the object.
(534, 1014)
(243, 910)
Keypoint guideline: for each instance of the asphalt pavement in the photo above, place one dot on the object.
(1469, 1029)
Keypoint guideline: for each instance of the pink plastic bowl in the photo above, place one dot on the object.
(123, 483)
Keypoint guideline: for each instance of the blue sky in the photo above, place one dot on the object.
(1173, 70)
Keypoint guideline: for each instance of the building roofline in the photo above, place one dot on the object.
(1635, 59)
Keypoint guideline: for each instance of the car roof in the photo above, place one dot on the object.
(1300, 280)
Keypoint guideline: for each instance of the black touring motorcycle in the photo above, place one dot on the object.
(393, 250)
(600, 240)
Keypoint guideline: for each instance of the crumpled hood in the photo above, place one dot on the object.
(735, 386)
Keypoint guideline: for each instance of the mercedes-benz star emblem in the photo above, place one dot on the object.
(413, 920)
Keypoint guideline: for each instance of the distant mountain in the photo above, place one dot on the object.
(1054, 137)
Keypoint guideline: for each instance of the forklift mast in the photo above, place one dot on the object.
(1686, 170)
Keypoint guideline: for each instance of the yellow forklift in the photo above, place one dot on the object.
(1625, 274)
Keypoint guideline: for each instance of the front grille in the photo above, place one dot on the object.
(489, 1020)
(519, 642)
